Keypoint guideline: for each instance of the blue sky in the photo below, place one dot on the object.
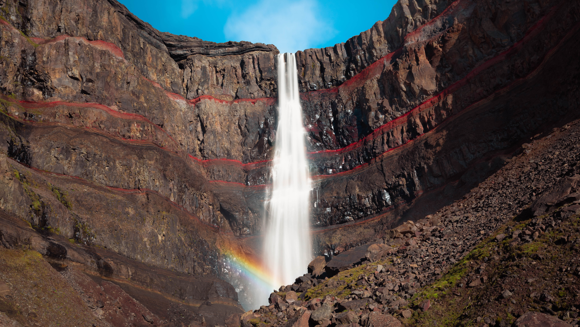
(291, 25)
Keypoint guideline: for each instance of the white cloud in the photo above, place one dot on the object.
(289, 25)
(188, 7)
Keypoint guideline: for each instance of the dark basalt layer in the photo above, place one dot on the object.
(181, 47)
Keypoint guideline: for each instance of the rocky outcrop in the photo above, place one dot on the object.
(329, 67)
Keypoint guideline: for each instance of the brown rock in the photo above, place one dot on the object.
(324, 323)
(348, 317)
(274, 298)
(353, 305)
(246, 317)
(555, 197)
(300, 321)
(536, 319)
(291, 296)
(475, 282)
(500, 237)
(322, 313)
(407, 314)
(382, 320)
(426, 305)
(4, 289)
(346, 260)
(316, 266)
(407, 228)
(376, 252)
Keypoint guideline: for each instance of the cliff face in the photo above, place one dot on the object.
(157, 147)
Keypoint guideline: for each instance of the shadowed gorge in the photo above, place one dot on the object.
(135, 166)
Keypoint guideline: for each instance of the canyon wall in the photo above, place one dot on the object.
(157, 147)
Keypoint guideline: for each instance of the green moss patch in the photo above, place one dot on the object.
(61, 196)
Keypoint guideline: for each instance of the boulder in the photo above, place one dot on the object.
(299, 321)
(536, 319)
(322, 313)
(556, 197)
(316, 266)
(348, 317)
(382, 320)
(291, 297)
(407, 314)
(353, 305)
(376, 252)
(247, 318)
(346, 260)
(274, 298)
(407, 228)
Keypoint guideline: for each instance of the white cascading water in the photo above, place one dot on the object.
(288, 244)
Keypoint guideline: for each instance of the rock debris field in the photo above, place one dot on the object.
(505, 254)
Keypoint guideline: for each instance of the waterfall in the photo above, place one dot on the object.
(287, 242)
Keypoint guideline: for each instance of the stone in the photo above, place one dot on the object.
(537, 319)
(346, 260)
(322, 313)
(274, 298)
(291, 296)
(316, 266)
(4, 289)
(314, 304)
(352, 305)
(376, 252)
(376, 319)
(348, 317)
(324, 323)
(300, 321)
(475, 282)
(557, 195)
(407, 314)
(506, 294)
(426, 305)
(247, 317)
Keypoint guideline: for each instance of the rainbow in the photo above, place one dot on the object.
(251, 269)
